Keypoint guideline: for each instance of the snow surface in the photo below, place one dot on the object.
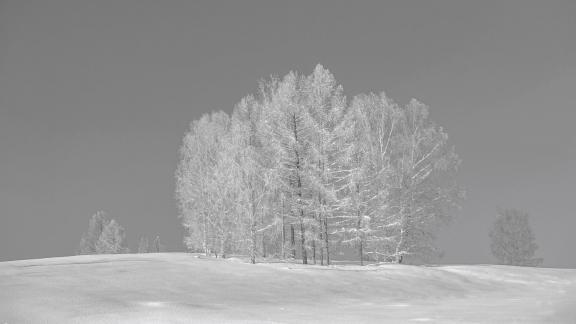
(185, 288)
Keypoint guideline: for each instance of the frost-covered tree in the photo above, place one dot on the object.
(512, 239)
(104, 236)
(326, 104)
(255, 171)
(292, 137)
(198, 180)
(112, 239)
(296, 163)
(143, 245)
(425, 191)
(96, 226)
(367, 139)
(224, 190)
(157, 245)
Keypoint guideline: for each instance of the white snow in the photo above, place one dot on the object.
(422, 319)
(182, 288)
(153, 304)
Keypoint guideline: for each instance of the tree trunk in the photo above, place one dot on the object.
(322, 243)
(293, 241)
(264, 245)
(303, 240)
(253, 243)
(222, 247)
(361, 253)
(318, 233)
(263, 236)
(283, 232)
(299, 187)
(358, 232)
(326, 240)
(400, 243)
(314, 251)
(205, 236)
(403, 227)
(253, 230)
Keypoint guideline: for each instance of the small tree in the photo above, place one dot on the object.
(143, 245)
(512, 239)
(112, 239)
(157, 246)
(96, 226)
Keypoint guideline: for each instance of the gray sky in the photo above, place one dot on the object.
(95, 97)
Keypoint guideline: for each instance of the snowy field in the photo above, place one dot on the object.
(182, 288)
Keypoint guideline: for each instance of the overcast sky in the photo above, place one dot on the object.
(95, 97)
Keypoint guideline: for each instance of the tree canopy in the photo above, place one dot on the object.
(298, 167)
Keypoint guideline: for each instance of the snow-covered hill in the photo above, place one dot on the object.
(182, 288)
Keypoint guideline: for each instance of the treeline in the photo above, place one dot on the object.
(106, 236)
(298, 171)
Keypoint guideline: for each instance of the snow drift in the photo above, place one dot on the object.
(185, 288)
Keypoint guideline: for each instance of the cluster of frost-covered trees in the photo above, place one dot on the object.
(145, 246)
(300, 171)
(104, 236)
